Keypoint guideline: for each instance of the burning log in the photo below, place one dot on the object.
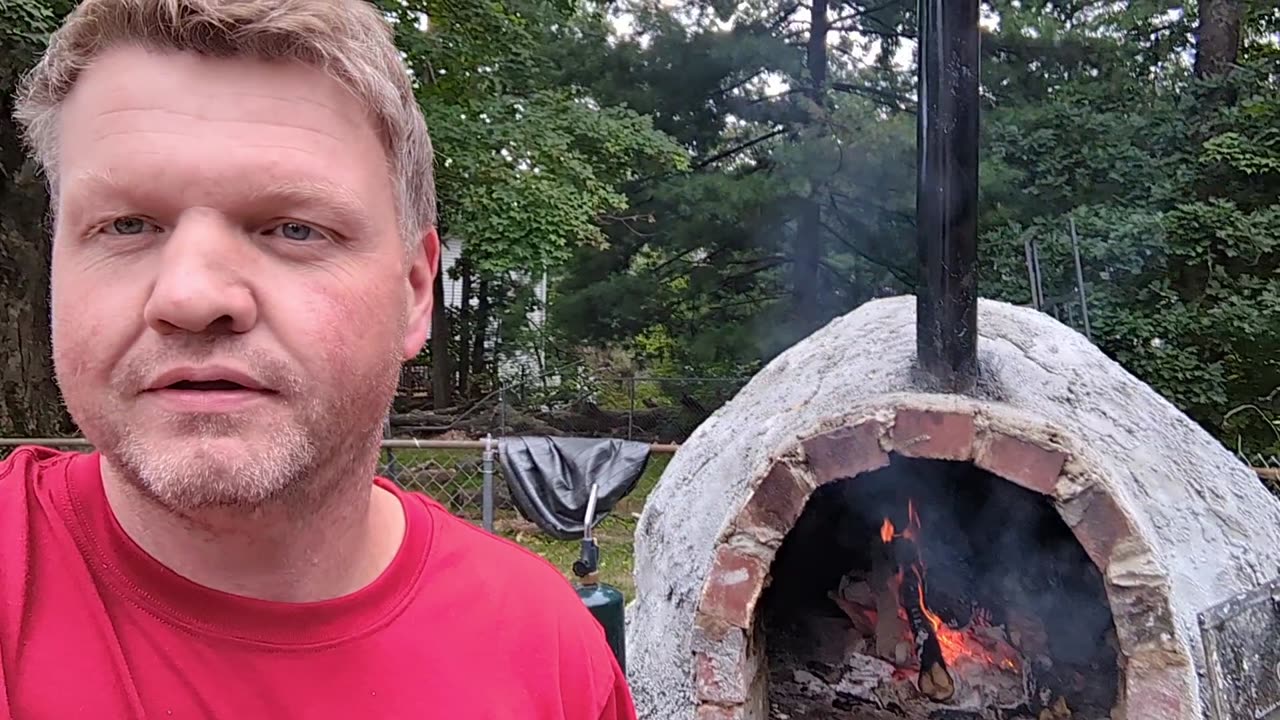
(885, 584)
(935, 681)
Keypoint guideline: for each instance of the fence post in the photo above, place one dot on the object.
(502, 407)
(1084, 303)
(488, 483)
(631, 406)
(392, 469)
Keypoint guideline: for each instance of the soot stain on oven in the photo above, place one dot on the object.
(935, 590)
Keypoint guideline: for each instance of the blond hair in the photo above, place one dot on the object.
(348, 39)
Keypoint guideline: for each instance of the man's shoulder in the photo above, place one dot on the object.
(28, 466)
(498, 553)
(505, 566)
(536, 603)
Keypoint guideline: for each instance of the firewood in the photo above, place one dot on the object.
(935, 681)
(902, 653)
(857, 592)
(861, 623)
(885, 585)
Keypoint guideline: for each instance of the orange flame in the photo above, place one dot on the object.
(954, 644)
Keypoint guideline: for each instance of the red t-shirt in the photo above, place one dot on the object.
(462, 625)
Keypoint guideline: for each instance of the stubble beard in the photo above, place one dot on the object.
(296, 458)
(190, 472)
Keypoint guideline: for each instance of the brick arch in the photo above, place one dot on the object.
(728, 644)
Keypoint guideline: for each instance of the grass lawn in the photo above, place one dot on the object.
(461, 490)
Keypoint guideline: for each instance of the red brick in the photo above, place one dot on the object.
(723, 681)
(721, 712)
(733, 585)
(846, 452)
(934, 434)
(1027, 464)
(710, 631)
(1101, 525)
(774, 507)
(1156, 692)
(725, 664)
(1144, 620)
(707, 683)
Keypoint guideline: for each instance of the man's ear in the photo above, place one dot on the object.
(424, 266)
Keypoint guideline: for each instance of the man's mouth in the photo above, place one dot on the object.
(211, 379)
(208, 390)
(213, 385)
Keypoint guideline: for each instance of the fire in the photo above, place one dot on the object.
(956, 645)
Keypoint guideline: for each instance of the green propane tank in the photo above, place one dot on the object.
(603, 600)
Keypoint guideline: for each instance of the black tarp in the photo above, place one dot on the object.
(550, 478)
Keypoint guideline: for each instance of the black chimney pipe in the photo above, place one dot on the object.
(947, 193)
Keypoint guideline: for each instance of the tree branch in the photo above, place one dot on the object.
(783, 16)
(899, 102)
(761, 267)
(740, 83)
(738, 148)
(746, 301)
(901, 274)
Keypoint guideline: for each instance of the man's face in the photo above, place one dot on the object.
(231, 294)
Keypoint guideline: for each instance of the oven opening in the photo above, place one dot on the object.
(936, 590)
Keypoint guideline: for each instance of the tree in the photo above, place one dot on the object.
(527, 169)
(1092, 113)
(530, 167)
(799, 202)
(30, 403)
(1218, 37)
(1170, 175)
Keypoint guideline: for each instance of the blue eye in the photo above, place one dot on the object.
(295, 231)
(129, 226)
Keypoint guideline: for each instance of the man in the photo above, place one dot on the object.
(243, 254)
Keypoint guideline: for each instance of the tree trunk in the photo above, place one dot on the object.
(1218, 37)
(808, 251)
(480, 330)
(30, 404)
(465, 330)
(441, 375)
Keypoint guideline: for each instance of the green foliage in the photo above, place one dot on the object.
(525, 181)
(1245, 155)
(1091, 114)
(526, 166)
(29, 23)
(25, 26)
(698, 204)
(1175, 201)
(530, 166)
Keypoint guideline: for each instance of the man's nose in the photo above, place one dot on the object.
(202, 283)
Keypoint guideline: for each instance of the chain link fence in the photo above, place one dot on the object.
(649, 409)
(452, 473)
(657, 410)
(464, 476)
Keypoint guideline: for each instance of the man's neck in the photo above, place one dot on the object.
(280, 552)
